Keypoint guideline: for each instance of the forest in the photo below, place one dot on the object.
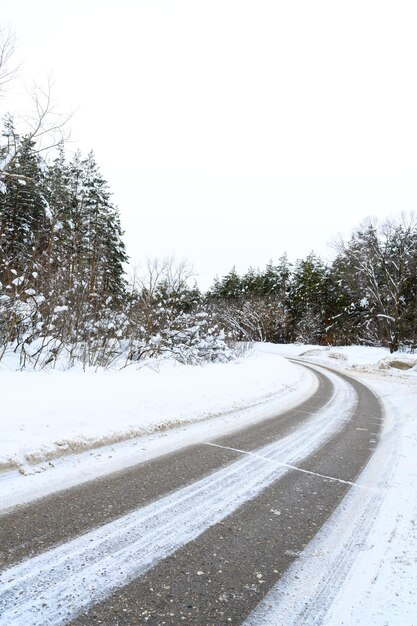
(65, 295)
(64, 291)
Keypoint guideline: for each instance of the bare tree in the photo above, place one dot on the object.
(7, 48)
(44, 127)
(175, 275)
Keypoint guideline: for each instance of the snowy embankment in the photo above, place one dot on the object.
(85, 424)
(361, 359)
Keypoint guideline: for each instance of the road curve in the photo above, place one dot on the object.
(198, 536)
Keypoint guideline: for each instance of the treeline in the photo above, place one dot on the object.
(367, 295)
(63, 290)
(64, 296)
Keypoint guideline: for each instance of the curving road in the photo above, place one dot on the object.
(198, 536)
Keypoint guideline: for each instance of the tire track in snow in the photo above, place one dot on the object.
(305, 594)
(222, 575)
(55, 586)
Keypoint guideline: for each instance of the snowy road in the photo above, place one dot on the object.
(198, 536)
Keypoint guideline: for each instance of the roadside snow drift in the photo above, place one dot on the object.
(359, 358)
(46, 415)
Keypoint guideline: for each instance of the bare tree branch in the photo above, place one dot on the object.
(7, 48)
(45, 127)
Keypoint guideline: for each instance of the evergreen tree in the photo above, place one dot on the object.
(24, 218)
(308, 302)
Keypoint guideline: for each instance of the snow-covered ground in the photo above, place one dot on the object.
(362, 566)
(61, 428)
(48, 413)
(358, 358)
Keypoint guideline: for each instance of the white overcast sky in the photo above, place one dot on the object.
(234, 130)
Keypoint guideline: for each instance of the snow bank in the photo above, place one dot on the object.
(49, 414)
(360, 358)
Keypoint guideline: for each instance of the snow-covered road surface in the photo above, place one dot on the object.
(55, 586)
(362, 566)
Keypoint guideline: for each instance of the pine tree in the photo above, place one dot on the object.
(24, 218)
(308, 300)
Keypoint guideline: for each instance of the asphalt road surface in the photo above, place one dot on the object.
(198, 536)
